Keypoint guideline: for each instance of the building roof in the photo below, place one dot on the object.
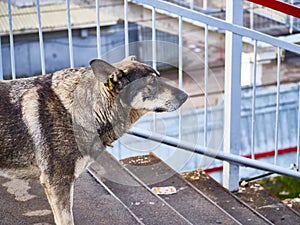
(53, 17)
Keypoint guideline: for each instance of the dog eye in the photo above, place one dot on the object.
(151, 90)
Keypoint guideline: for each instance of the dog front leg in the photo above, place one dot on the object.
(60, 197)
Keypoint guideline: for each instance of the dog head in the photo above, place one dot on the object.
(138, 85)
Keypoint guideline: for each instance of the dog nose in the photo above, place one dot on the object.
(182, 97)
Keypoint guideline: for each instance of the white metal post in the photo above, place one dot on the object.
(11, 42)
(192, 4)
(154, 54)
(180, 72)
(204, 4)
(98, 29)
(205, 83)
(126, 32)
(277, 105)
(232, 98)
(291, 22)
(42, 52)
(253, 102)
(70, 35)
(298, 130)
(1, 65)
(251, 15)
(180, 55)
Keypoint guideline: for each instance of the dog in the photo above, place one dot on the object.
(54, 126)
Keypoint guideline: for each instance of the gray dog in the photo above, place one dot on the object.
(54, 126)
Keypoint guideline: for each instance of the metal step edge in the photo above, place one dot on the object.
(142, 184)
(92, 172)
(241, 202)
(279, 201)
(231, 194)
(197, 190)
(211, 201)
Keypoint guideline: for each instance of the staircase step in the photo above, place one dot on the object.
(120, 193)
(23, 202)
(93, 204)
(194, 204)
(146, 206)
(225, 199)
(293, 203)
(268, 205)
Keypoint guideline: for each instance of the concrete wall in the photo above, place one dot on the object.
(56, 47)
(27, 51)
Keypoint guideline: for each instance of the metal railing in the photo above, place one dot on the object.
(260, 18)
(234, 32)
(234, 36)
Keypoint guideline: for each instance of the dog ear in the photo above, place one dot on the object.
(129, 58)
(106, 72)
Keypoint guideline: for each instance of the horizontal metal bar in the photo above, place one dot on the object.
(211, 153)
(221, 24)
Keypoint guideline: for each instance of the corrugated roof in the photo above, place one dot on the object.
(53, 17)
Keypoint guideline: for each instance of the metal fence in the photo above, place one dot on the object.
(257, 17)
(235, 33)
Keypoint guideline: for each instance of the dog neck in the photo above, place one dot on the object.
(113, 118)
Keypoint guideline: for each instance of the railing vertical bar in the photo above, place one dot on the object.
(205, 82)
(298, 137)
(253, 101)
(70, 35)
(11, 41)
(251, 15)
(277, 105)
(204, 4)
(98, 29)
(232, 96)
(119, 148)
(180, 59)
(154, 53)
(126, 32)
(180, 65)
(41, 40)
(192, 4)
(1, 64)
(291, 20)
